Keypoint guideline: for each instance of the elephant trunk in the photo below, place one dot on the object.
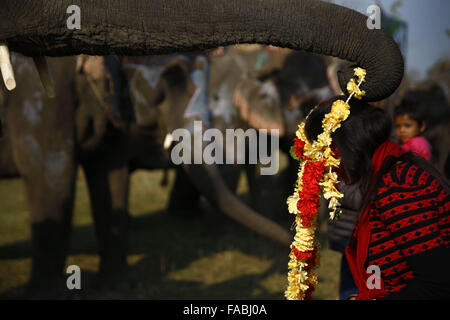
(210, 183)
(144, 27)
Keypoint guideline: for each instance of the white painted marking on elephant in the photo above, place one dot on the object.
(151, 76)
(52, 166)
(198, 104)
(23, 65)
(221, 104)
(33, 107)
(30, 112)
(55, 163)
(269, 89)
(38, 99)
(31, 146)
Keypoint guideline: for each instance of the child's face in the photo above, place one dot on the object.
(407, 128)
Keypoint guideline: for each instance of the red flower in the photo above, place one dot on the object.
(307, 210)
(309, 292)
(299, 145)
(309, 196)
(306, 256)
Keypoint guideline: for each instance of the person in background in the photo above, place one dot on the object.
(409, 127)
(340, 231)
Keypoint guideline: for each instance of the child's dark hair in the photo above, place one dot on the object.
(425, 104)
(410, 106)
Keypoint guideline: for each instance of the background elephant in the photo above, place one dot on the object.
(279, 97)
(110, 138)
(229, 67)
(44, 159)
(182, 100)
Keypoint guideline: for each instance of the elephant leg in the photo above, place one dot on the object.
(50, 235)
(231, 174)
(51, 208)
(184, 198)
(250, 172)
(108, 191)
(265, 195)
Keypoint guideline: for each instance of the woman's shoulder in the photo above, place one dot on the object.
(404, 176)
(406, 173)
(406, 185)
(420, 146)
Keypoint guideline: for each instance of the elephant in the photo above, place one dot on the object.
(279, 98)
(40, 28)
(251, 87)
(109, 137)
(134, 29)
(49, 176)
(228, 66)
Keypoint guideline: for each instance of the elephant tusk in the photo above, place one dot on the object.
(168, 141)
(45, 75)
(6, 68)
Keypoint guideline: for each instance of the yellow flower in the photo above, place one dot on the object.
(323, 139)
(292, 203)
(352, 87)
(360, 73)
(301, 132)
(332, 161)
(299, 279)
(334, 203)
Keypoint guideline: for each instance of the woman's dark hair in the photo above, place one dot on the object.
(366, 128)
(359, 136)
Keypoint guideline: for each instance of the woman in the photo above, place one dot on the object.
(404, 222)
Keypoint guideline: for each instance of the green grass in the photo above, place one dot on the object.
(208, 257)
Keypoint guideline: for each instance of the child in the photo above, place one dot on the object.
(409, 125)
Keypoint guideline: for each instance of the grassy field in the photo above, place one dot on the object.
(208, 257)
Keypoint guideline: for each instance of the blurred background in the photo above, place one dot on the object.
(114, 161)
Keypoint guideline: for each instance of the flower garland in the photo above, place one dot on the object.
(318, 169)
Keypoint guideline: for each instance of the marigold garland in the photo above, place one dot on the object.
(318, 170)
